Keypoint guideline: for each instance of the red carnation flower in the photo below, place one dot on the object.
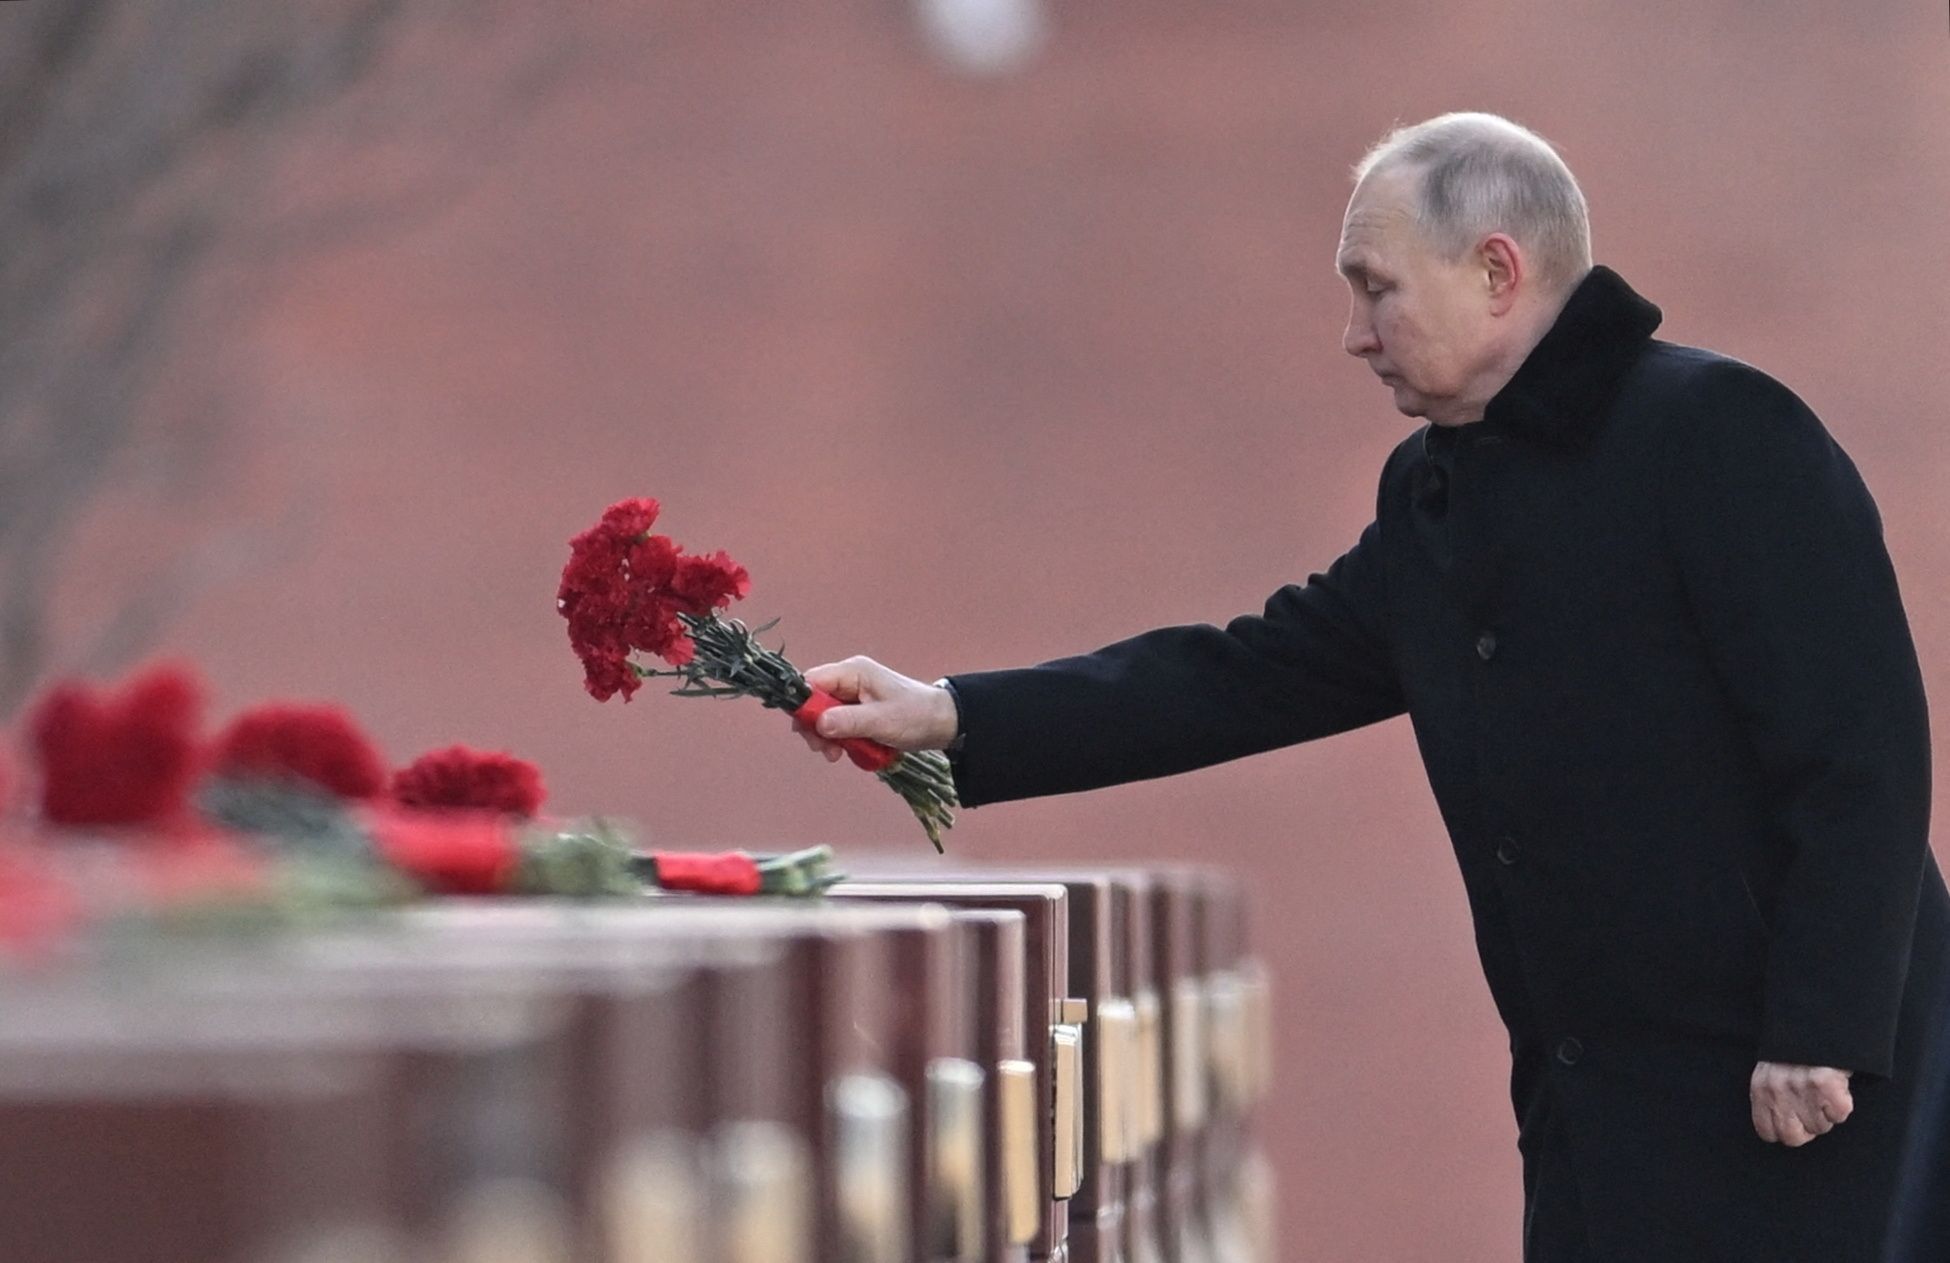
(653, 562)
(630, 519)
(320, 745)
(606, 671)
(623, 588)
(703, 584)
(464, 778)
(449, 853)
(651, 625)
(119, 757)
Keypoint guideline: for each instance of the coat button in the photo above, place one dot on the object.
(1486, 646)
(1507, 851)
(1569, 1050)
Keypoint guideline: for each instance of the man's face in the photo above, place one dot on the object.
(1421, 322)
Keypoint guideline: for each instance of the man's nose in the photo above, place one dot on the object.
(1359, 339)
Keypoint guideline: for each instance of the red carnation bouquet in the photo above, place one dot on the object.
(627, 591)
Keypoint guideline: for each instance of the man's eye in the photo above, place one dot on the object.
(1374, 290)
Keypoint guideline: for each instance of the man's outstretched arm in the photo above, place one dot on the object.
(1316, 661)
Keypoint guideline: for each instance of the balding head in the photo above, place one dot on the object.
(1463, 240)
(1477, 174)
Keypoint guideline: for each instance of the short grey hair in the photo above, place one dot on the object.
(1481, 173)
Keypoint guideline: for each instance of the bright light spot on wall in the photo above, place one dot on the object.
(984, 36)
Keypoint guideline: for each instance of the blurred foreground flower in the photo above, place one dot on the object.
(460, 777)
(119, 756)
(626, 591)
(283, 820)
(315, 746)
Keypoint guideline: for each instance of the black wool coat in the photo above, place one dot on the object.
(1644, 624)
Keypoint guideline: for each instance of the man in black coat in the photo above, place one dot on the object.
(1635, 601)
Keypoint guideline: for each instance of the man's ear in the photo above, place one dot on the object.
(1504, 271)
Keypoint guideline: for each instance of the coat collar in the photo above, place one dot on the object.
(1562, 390)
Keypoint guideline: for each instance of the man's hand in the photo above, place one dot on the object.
(1794, 1104)
(890, 708)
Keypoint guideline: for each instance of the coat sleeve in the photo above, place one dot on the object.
(1315, 662)
(1781, 554)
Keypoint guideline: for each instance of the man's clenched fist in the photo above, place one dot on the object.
(1794, 1104)
(889, 708)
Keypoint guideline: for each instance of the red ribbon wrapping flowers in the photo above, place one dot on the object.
(627, 591)
(807, 872)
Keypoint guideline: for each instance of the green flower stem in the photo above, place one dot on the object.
(807, 872)
(729, 661)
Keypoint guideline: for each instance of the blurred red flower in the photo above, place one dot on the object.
(119, 756)
(318, 744)
(449, 852)
(623, 588)
(460, 777)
